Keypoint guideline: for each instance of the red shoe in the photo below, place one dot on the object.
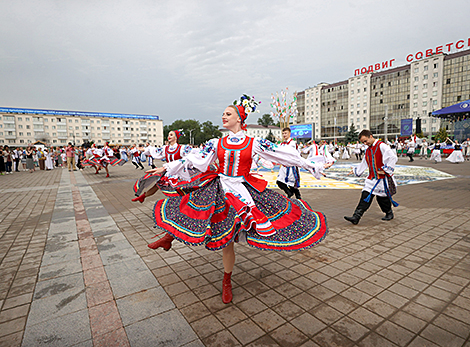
(227, 288)
(96, 173)
(164, 242)
(107, 175)
(139, 198)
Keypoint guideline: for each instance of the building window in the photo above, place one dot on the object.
(435, 65)
(448, 81)
(415, 96)
(425, 86)
(425, 103)
(425, 68)
(416, 69)
(416, 78)
(434, 102)
(425, 77)
(415, 104)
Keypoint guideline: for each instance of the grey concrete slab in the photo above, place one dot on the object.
(58, 285)
(133, 265)
(60, 269)
(167, 329)
(142, 305)
(57, 305)
(67, 330)
(69, 252)
(111, 257)
(130, 283)
(114, 247)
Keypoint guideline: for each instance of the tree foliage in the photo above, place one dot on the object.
(265, 120)
(199, 133)
(352, 134)
(441, 135)
(271, 137)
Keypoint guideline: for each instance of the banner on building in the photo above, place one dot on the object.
(462, 130)
(301, 131)
(406, 127)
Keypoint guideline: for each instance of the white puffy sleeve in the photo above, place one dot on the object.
(359, 170)
(157, 153)
(389, 159)
(199, 159)
(285, 155)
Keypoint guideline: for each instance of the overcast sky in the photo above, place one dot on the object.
(190, 59)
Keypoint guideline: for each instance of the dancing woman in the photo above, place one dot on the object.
(171, 152)
(220, 207)
(456, 155)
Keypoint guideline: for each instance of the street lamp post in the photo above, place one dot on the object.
(190, 132)
(386, 123)
(334, 132)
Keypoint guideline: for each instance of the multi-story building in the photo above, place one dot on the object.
(300, 107)
(313, 108)
(410, 91)
(334, 110)
(20, 127)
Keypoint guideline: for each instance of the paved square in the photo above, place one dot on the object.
(74, 251)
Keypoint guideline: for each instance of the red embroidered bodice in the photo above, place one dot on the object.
(374, 160)
(173, 155)
(235, 160)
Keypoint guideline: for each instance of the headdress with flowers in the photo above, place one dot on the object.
(245, 106)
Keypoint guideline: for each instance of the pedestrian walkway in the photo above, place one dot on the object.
(82, 250)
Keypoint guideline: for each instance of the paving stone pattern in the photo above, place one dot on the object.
(398, 283)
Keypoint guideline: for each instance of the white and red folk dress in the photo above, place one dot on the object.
(227, 204)
(167, 153)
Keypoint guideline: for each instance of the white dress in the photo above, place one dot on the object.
(345, 155)
(456, 156)
(389, 160)
(49, 163)
(435, 154)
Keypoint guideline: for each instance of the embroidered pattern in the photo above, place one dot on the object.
(267, 145)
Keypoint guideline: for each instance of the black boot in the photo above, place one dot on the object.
(356, 217)
(388, 215)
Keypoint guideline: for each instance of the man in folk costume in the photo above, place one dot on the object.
(289, 177)
(381, 160)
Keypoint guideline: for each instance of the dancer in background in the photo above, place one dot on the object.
(219, 208)
(171, 152)
(135, 153)
(380, 160)
(289, 177)
(456, 155)
(436, 152)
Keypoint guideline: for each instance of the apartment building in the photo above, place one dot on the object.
(20, 127)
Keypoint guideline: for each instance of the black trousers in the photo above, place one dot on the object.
(290, 191)
(384, 202)
(137, 165)
(410, 155)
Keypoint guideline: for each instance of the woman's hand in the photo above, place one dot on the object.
(156, 171)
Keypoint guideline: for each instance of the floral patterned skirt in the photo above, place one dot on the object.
(203, 214)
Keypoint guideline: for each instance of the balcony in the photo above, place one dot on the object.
(127, 137)
(8, 121)
(62, 136)
(9, 127)
(143, 132)
(10, 137)
(38, 122)
(143, 126)
(85, 122)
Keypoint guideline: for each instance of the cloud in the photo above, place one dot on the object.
(189, 59)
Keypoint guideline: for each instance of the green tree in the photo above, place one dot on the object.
(351, 135)
(271, 137)
(265, 120)
(198, 132)
(441, 135)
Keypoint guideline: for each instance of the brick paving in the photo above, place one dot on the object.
(398, 283)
